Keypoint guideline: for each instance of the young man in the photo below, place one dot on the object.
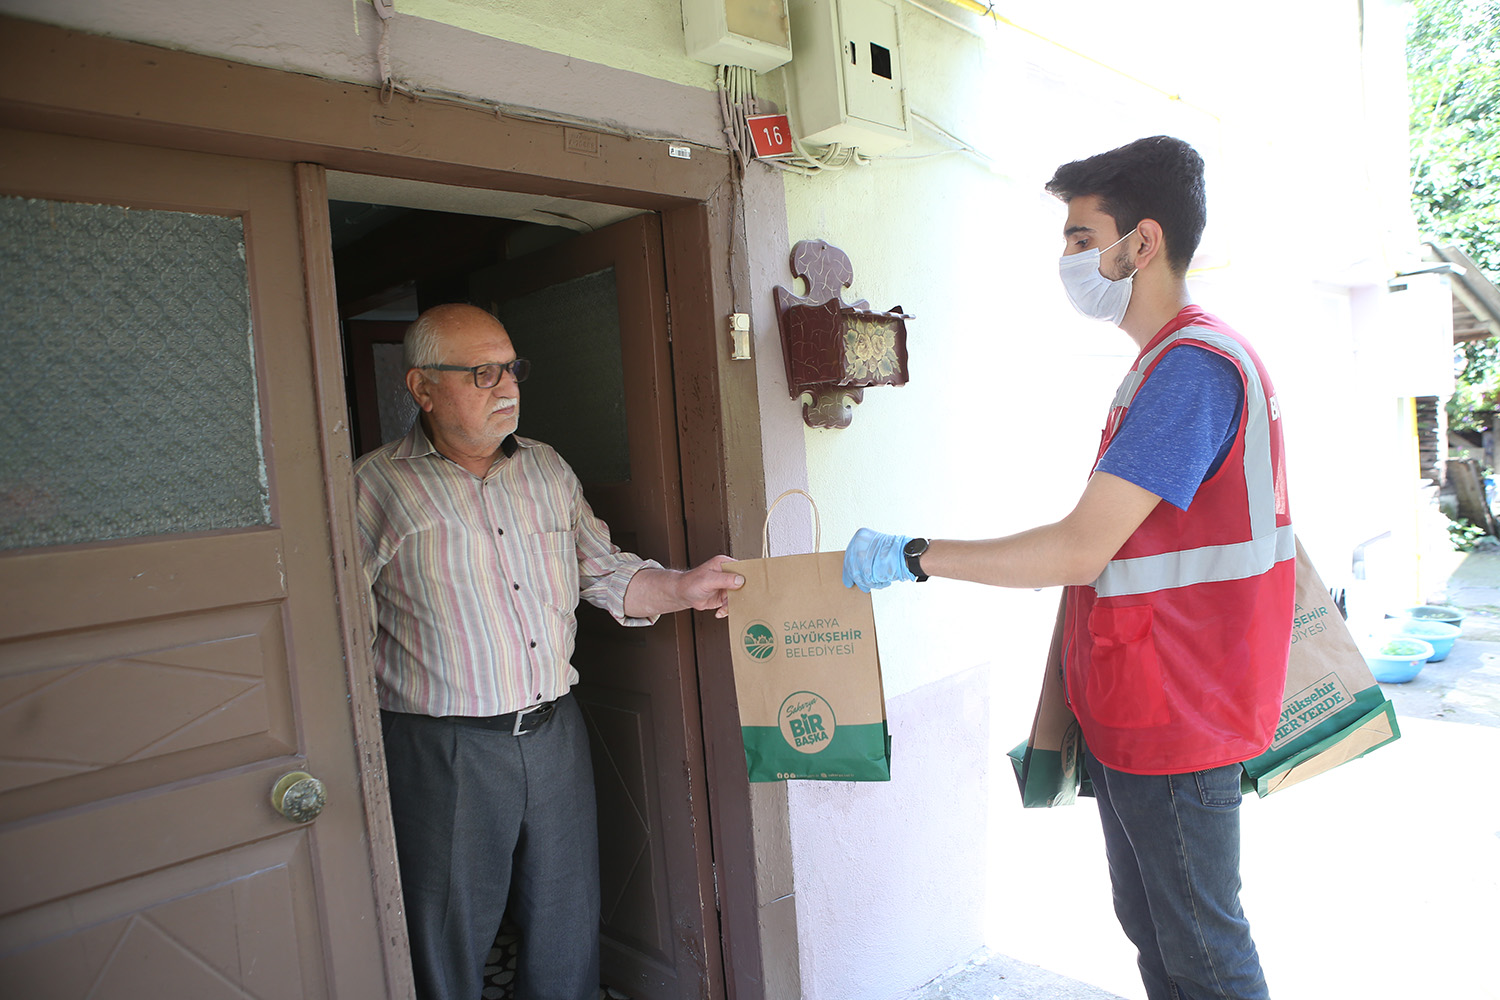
(1179, 566)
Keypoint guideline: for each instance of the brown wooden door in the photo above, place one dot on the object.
(169, 639)
(591, 315)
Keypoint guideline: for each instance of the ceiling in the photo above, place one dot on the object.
(391, 194)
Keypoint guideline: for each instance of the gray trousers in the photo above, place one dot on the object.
(483, 817)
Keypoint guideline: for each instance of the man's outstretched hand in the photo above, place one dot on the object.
(706, 587)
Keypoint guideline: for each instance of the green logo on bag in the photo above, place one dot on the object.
(760, 641)
(807, 722)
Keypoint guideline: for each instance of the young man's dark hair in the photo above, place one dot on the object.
(1157, 178)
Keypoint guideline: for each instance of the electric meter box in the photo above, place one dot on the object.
(850, 79)
(753, 33)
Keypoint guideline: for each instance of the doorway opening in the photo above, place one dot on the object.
(581, 290)
(402, 246)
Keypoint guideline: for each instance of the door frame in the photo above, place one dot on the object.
(67, 82)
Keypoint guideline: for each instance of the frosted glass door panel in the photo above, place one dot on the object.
(128, 402)
(396, 407)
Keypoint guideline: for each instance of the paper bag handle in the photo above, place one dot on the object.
(765, 535)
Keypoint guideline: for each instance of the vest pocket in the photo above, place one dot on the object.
(1124, 686)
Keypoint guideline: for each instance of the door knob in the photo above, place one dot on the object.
(299, 796)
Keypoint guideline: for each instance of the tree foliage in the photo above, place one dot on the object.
(1476, 389)
(1453, 69)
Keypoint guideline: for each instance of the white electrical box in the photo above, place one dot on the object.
(850, 80)
(753, 33)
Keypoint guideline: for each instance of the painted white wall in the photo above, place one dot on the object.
(996, 430)
(626, 65)
(642, 36)
(1000, 421)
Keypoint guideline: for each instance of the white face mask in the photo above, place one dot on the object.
(1091, 293)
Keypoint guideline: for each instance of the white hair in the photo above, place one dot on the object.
(423, 344)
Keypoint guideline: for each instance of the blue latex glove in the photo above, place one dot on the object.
(873, 560)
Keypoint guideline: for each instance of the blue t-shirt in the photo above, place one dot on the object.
(1180, 425)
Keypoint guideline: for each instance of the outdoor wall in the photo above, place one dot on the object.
(498, 53)
(999, 424)
(997, 429)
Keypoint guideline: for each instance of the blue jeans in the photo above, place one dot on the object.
(1173, 844)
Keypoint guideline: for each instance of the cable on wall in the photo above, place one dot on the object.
(737, 102)
(812, 159)
(386, 9)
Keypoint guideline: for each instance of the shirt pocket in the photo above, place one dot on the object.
(554, 560)
(1124, 686)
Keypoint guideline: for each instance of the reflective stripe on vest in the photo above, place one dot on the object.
(1268, 544)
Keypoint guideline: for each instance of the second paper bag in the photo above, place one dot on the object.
(1333, 710)
(1049, 765)
(807, 672)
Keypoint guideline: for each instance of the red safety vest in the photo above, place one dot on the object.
(1175, 657)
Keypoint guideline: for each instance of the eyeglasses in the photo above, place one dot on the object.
(487, 376)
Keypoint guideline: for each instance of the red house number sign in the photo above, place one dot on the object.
(771, 134)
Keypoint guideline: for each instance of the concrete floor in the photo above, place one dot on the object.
(1378, 880)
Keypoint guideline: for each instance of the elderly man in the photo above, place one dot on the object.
(478, 544)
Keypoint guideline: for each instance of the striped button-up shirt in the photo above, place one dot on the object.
(476, 579)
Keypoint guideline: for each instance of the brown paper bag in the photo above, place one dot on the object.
(1049, 765)
(806, 669)
(1333, 711)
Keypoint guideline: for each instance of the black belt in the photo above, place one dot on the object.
(527, 720)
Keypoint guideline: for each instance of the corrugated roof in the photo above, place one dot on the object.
(1476, 301)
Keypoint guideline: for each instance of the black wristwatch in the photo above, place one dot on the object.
(913, 553)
